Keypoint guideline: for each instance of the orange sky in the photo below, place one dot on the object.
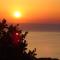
(33, 11)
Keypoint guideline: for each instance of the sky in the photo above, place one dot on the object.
(32, 11)
(44, 15)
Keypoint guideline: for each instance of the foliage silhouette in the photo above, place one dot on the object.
(13, 44)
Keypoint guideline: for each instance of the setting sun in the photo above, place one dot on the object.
(17, 14)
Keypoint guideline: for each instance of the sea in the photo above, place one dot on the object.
(47, 44)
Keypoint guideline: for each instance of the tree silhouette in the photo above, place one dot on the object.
(13, 44)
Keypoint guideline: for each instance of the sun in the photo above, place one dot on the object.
(17, 14)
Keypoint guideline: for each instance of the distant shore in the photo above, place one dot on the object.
(48, 59)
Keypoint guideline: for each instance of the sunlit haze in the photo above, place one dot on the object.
(32, 11)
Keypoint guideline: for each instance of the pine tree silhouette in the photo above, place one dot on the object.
(13, 44)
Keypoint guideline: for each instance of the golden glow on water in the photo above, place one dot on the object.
(47, 43)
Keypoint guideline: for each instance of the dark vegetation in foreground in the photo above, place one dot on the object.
(13, 45)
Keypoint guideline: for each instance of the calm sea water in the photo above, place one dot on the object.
(46, 43)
